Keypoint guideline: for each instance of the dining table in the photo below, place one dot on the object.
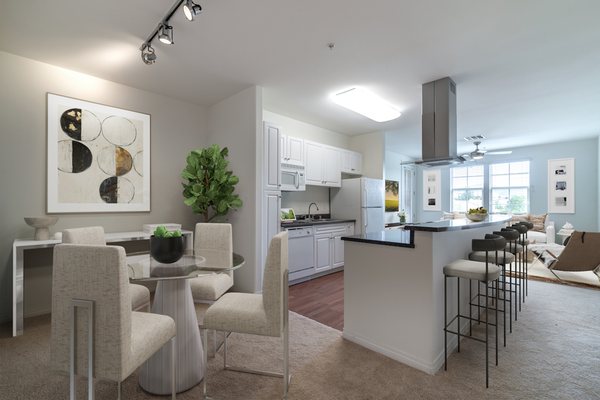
(173, 297)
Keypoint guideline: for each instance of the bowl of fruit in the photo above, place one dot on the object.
(477, 214)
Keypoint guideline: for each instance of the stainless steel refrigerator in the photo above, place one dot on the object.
(361, 199)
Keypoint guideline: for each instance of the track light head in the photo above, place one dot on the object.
(165, 34)
(191, 9)
(148, 55)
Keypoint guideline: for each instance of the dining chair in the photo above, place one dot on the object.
(94, 235)
(214, 242)
(263, 314)
(94, 332)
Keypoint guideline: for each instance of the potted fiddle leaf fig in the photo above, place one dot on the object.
(209, 186)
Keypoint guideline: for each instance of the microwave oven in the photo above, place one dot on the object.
(292, 178)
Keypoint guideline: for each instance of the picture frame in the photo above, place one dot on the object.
(561, 186)
(392, 196)
(432, 188)
(98, 157)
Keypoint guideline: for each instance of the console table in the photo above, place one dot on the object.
(20, 245)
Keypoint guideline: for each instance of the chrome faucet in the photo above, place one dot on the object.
(309, 206)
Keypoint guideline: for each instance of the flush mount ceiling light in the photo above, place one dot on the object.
(164, 31)
(366, 103)
(191, 9)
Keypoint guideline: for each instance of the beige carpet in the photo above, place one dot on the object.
(538, 269)
(553, 353)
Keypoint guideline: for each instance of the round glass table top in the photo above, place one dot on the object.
(142, 267)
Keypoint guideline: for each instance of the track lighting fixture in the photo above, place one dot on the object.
(164, 31)
(166, 34)
(148, 56)
(191, 9)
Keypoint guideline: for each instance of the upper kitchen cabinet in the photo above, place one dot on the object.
(322, 165)
(351, 162)
(292, 150)
(272, 156)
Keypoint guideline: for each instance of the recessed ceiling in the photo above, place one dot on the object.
(526, 71)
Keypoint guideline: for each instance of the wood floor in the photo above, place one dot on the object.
(321, 299)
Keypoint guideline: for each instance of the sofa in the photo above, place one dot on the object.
(543, 229)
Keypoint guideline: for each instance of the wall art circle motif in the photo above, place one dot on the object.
(73, 156)
(119, 131)
(116, 189)
(138, 163)
(80, 124)
(114, 160)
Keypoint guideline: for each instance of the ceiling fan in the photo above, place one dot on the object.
(478, 153)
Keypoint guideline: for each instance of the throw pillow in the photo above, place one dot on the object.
(538, 222)
(519, 218)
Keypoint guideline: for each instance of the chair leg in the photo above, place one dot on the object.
(470, 310)
(497, 305)
(204, 343)
(458, 312)
(286, 361)
(487, 384)
(446, 323)
(225, 352)
(118, 390)
(173, 352)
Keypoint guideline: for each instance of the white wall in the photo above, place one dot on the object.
(372, 147)
(304, 130)
(236, 123)
(176, 128)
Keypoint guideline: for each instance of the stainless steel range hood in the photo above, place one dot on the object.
(439, 124)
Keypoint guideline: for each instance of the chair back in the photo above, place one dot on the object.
(275, 288)
(215, 243)
(97, 273)
(582, 253)
(93, 235)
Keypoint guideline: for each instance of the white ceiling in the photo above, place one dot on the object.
(527, 71)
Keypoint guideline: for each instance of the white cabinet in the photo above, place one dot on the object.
(329, 246)
(271, 156)
(351, 162)
(323, 165)
(292, 150)
(271, 223)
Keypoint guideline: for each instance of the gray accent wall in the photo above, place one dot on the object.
(585, 152)
(176, 128)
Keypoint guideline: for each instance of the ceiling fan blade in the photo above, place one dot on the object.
(500, 152)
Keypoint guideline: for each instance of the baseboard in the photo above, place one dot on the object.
(421, 365)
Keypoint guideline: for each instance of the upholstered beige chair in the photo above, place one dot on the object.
(263, 314)
(213, 242)
(94, 235)
(94, 333)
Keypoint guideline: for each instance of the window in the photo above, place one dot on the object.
(467, 187)
(509, 187)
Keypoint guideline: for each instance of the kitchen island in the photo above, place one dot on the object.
(394, 288)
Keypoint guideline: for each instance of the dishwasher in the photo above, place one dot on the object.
(301, 252)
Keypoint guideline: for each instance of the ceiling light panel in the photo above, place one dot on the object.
(366, 103)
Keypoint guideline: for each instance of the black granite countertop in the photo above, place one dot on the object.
(396, 237)
(301, 223)
(456, 224)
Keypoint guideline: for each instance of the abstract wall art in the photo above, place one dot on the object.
(392, 198)
(98, 157)
(432, 188)
(561, 186)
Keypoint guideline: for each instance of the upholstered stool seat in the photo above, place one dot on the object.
(140, 297)
(514, 248)
(474, 270)
(503, 257)
(210, 287)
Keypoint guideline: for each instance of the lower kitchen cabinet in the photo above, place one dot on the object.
(329, 247)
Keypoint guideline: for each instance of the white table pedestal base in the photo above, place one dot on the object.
(174, 298)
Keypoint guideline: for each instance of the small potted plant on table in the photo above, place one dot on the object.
(166, 246)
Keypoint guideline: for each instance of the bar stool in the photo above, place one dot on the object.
(482, 272)
(522, 232)
(510, 235)
(515, 283)
(502, 258)
(526, 243)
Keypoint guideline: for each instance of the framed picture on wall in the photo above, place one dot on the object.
(392, 196)
(561, 186)
(432, 188)
(98, 158)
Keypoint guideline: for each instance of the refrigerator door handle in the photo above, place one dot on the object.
(366, 213)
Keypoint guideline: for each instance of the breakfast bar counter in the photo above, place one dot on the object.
(394, 286)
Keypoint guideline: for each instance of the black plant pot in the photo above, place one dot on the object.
(166, 250)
